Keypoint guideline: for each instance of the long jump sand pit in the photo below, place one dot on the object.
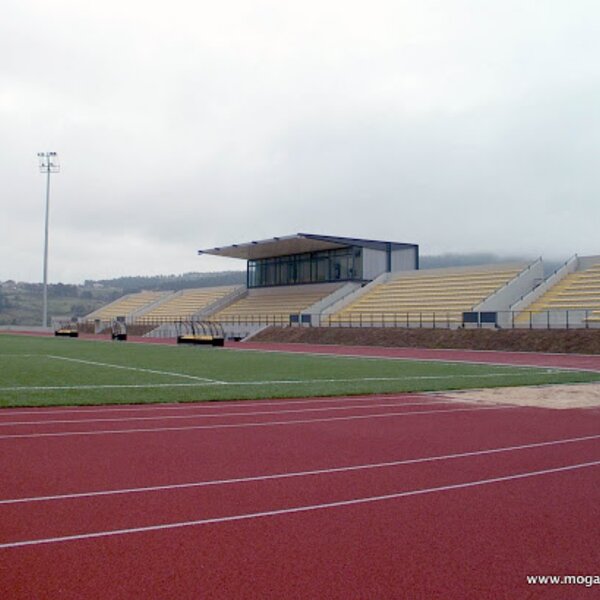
(545, 396)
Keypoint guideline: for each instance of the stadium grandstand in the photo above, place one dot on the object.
(570, 296)
(426, 296)
(321, 280)
(275, 306)
(127, 306)
(184, 304)
(295, 278)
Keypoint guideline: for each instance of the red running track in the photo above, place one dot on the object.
(534, 359)
(531, 359)
(397, 496)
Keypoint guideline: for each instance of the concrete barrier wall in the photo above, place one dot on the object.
(26, 328)
(339, 294)
(502, 299)
(522, 303)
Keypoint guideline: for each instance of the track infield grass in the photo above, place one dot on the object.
(44, 371)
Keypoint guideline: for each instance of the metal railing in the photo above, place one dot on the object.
(545, 319)
(549, 319)
(553, 319)
(404, 320)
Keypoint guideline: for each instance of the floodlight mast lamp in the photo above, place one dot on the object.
(48, 162)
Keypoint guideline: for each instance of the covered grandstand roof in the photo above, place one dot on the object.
(298, 244)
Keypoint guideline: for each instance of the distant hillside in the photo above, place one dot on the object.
(21, 303)
(466, 260)
(173, 282)
(440, 261)
(194, 280)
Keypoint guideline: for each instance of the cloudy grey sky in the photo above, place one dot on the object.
(461, 125)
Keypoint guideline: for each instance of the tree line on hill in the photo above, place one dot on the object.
(21, 303)
(172, 282)
(192, 280)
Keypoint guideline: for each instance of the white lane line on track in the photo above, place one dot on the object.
(257, 424)
(404, 378)
(126, 368)
(449, 361)
(153, 407)
(299, 509)
(202, 382)
(346, 469)
(446, 350)
(224, 414)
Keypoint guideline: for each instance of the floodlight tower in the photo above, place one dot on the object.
(48, 162)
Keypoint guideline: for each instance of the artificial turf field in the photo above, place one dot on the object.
(367, 496)
(43, 371)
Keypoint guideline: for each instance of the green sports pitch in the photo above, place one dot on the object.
(44, 371)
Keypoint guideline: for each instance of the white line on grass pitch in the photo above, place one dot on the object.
(126, 368)
(300, 509)
(364, 467)
(106, 386)
(256, 424)
(203, 382)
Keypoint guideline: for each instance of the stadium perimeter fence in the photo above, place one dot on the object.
(550, 319)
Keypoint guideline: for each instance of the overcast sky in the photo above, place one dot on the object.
(460, 125)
